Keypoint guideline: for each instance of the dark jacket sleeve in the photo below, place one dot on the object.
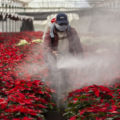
(51, 43)
(48, 41)
(75, 44)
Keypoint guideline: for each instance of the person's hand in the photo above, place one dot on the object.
(55, 52)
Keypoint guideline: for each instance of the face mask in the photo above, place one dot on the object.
(61, 28)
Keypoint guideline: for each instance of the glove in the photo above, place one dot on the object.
(55, 52)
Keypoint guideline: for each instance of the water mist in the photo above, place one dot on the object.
(98, 30)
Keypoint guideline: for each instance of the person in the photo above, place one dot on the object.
(62, 38)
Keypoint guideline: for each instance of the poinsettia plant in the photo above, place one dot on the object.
(94, 102)
(23, 96)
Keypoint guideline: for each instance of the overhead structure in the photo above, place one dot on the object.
(24, 2)
(58, 3)
(104, 3)
(29, 10)
(9, 17)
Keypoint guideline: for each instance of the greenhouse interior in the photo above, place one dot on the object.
(59, 60)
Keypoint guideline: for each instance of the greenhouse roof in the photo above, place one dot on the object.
(58, 3)
(55, 3)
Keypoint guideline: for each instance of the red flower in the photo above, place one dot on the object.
(42, 106)
(97, 93)
(81, 112)
(16, 119)
(113, 109)
(75, 100)
(73, 118)
(26, 118)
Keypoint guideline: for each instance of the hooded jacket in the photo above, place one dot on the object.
(51, 40)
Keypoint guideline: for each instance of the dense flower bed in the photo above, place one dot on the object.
(94, 103)
(13, 38)
(23, 96)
